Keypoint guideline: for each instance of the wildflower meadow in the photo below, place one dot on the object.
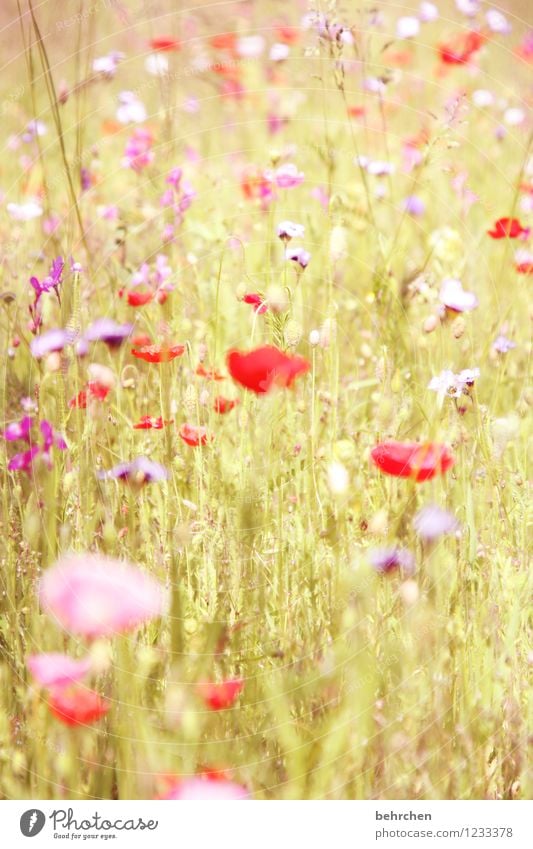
(264, 400)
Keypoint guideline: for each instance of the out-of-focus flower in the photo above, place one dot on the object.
(523, 260)
(508, 228)
(158, 353)
(428, 12)
(503, 345)
(432, 522)
(407, 27)
(462, 49)
(250, 46)
(151, 423)
(107, 65)
(52, 340)
(137, 472)
(156, 65)
(108, 331)
(264, 368)
(18, 430)
(131, 110)
(287, 176)
(25, 211)
(298, 255)
(209, 374)
(54, 669)
(420, 461)
(194, 435)
(138, 153)
(257, 301)
(220, 696)
(414, 205)
(338, 478)
(448, 383)
(279, 52)
(223, 405)
(470, 8)
(288, 230)
(482, 98)
(77, 705)
(454, 297)
(207, 789)
(164, 44)
(94, 392)
(96, 596)
(387, 560)
(497, 22)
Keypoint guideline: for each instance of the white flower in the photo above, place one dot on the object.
(497, 22)
(453, 296)
(481, 98)
(407, 27)
(442, 383)
(428, 12)
(289, 230)
(279, 52)
(470, 8)
(250, 46)
(25, 211)
(338, 478)
(514, 116)
(156, 65)
(107, 65)
(131, 109)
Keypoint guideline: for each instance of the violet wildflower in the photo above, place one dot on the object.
(138, 471)
(52, 340)
(503, 345)
(432, 522)
(413, 205)
(299, 256)
(386, 560)
(108, 331)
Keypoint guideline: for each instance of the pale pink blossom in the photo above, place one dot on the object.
(205, 789)
(93, 595)
(53, 669)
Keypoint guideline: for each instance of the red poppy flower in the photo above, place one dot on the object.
(412, 459)
(164, 43)
(524, 267)
(258, 302)
(462, 50)
(194, 435)
(77, 705)
(139, 299)
(356, 111)
(151, 423)
(95, 390)
(158, 353)
(220, 696)
(287, 35)
(255, 186)
(261, 369)
(223, 405)
(224, 41)
(508, 228)
(209, 374)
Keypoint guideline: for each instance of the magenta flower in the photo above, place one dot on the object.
(57, 670)
(52, 282)
(23, 461)
(18, 430)
(96, 596)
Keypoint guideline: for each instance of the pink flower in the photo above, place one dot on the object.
(207, 789)
(454, 297)
(93, 595)
(288, 176)
(57, 670)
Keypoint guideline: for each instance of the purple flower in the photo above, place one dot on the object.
(503, 345)
(299, 255)
(53, 281)
(385, 560)
(413, 205)
(18, 430)
(52, 340)
(108, 331)
(432, 522)
(141, 470)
